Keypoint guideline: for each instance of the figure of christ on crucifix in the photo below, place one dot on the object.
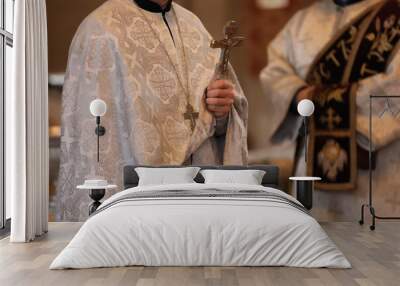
(230, 41)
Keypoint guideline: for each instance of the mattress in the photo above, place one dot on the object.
(201, 225)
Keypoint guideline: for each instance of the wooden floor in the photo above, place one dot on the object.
(375, 257)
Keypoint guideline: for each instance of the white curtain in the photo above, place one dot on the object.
(27, 124)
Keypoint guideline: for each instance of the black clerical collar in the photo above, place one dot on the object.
(153, 7)
(344, 3)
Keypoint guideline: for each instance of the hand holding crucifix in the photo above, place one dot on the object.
(220, 93)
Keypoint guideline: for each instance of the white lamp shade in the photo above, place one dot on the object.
(306, 108)
(98, 107)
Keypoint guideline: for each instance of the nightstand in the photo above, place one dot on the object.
(97, 190)
(304, 190)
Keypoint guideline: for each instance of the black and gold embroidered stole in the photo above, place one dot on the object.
(362, 49)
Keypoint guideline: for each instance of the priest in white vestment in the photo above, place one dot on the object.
(296, 70)
(151, 62)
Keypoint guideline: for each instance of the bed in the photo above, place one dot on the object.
(198, 224)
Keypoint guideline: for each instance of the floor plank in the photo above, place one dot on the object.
(375, 257)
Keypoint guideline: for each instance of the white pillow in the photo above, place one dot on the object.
(166, 176)
(245, 177)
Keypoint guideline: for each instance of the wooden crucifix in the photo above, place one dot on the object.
(230, 41)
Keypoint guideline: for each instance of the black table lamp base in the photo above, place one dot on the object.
(304, 193)
(96, 196)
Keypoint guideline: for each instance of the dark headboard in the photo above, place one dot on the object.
(271, 178)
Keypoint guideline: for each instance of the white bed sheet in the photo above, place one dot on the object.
(200, 232)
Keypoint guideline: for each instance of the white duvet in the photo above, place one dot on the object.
(200, 232)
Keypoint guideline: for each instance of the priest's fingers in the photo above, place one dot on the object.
(220, 114)
(219, 101)
(219, 108)
(220, 84)
(225, 93)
